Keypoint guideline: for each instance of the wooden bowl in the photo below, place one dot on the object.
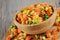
(37, 28)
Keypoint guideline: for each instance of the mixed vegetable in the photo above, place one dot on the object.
(34, 14)
(17, 34)
(58, 17)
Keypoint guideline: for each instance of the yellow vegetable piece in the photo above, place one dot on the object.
(22, 22)
(38, 5)
(24, 35)
(46, 8)
(36, 36)
(57, 15)
(21, 34)
(39, 20)
(15, 39)
(27, 22)
(25, 11)
(32, 12)
(58, 19)
(29, 19)
(43, 38)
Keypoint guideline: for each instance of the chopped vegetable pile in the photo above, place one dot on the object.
(17, 34)
(34, 14)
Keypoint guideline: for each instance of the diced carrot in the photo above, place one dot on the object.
(30, 7)
(28, 38)
(19, 31)
(15, 32)
(42, 12)
(49, 11)
(58, 11)
(54, 31)
(41, 38)
(25, 17)
(18, 19)
(20, 15)
(37, 10)
(44, 5)
(57, 23)
(48, 34)
(8, 37)
(53, 37)
(58, 28)
(24, 8)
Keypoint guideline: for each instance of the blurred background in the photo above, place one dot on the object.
(8, 9)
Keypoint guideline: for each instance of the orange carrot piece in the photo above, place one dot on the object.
(28, 38)
(20, 15)
(41, 38)
(30, 7)
(53, 37)
(57, 23)
(48, 34)
(44, 5)
(37, 10)
(15, 32)
(58, 11)
(42, 12)
(19, 30)
(25, 17)
(8, 37)
(58, 28)
(49, 11)
(19, 20)
(54, 31)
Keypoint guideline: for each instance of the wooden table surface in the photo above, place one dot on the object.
(8, 9)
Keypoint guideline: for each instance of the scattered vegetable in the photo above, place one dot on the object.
(28, 38)
(48, 34)
(54, 31)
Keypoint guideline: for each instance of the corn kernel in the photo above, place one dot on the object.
(36, 36)
(44, 38)
(26, 22)
(38, 5)
(29, 19)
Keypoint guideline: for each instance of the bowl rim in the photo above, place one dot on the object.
(37, 23)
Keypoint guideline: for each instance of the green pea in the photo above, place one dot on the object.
(30, 22)
(34, 22)
(21, 10)
(14, 26)
(29, 14)
(41, 9)
(45, 16)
